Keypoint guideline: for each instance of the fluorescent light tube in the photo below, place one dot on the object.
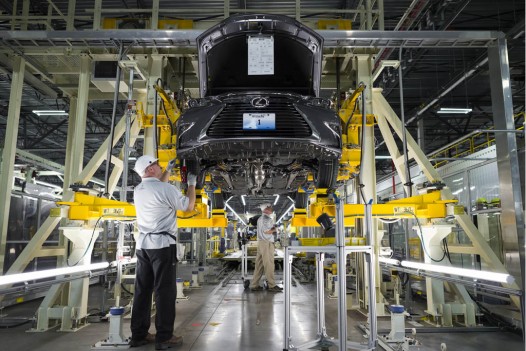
(458, 110)
(243, 200)
(276, 201)
(48, 273)
(235, 213)
(463, 272)
(389, 260)
(50, 112)
(283, 215)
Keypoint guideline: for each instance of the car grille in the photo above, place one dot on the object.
(289, 122)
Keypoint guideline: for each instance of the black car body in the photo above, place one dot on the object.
(259, 127)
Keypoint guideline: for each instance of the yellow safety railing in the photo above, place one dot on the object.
(469, 145)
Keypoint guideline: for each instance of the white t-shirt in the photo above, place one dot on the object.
(156, 205)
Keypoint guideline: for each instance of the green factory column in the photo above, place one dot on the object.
(8, 153)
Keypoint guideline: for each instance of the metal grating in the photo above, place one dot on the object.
(289, 122)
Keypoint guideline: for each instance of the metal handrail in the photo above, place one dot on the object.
(469, 144)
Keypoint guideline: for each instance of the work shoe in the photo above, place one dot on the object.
(275, 288)
(137, 343)
(257, 288)
(168, 344)
(148, 339)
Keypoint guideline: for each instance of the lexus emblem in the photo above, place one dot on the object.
(259, 102)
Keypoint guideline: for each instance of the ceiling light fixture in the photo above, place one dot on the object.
(454, 110)
(283, 215)
(276, 201)
(235, 213)
(243, 200)
(48, 273)
(50, 113)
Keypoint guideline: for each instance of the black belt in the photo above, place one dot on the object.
(164, 233)
(174, 249)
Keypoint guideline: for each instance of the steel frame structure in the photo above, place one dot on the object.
(168, 42)
(340, 251)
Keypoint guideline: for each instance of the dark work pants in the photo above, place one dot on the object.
(155, 273)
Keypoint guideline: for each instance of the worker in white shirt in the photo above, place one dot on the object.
(156, 205)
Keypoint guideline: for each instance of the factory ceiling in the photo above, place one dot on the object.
(432, 77)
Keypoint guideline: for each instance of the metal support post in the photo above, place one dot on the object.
(320, 289)
(155, 15)
(113, 114)
(70, 25)
(155, 71)
(124, 189)
(8, 153)
(77, 125)
(287, 278)
(370, 258)
(512, 215)
(342, 277)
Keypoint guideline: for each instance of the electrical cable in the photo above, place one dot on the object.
(362, 138)
(91, 240)
(172, 128)
(155, 114)
(87, 247)
(126, 290)
(504, 325)
(113, 115)
(422, 239)
(346, 129)
(446, 249)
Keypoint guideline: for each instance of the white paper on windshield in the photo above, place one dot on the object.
(260, 55)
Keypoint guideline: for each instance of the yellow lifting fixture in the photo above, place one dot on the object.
(430, 205)
(89, 207)
(166, 119)
(351, 120)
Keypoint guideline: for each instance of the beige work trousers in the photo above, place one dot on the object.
(264, 262)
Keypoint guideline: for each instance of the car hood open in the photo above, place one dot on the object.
(259, 52)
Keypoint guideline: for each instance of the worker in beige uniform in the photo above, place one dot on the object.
(265, 256)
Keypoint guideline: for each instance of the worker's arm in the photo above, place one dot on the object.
(166, 174)
(190, 192)
(271, 230)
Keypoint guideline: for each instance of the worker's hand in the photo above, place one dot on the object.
(170, 165)
(191, 179)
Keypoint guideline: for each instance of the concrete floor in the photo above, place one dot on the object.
(230, 318)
